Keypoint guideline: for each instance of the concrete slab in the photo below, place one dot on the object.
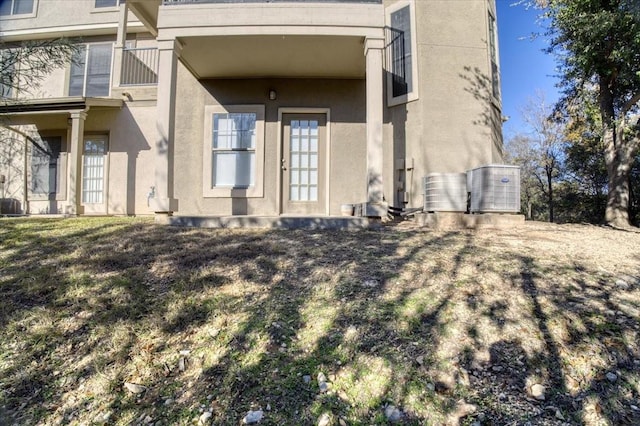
(450, 220)
(272, 222)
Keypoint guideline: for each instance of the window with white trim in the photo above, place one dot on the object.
(107, 3)
(91, 70)
(16, 7)
(233, 151)
(493, 53)
(401, 53)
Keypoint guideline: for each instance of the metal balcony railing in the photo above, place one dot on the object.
(139, 67)
(178, 2)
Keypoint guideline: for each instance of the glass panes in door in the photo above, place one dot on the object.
(93, 162)
(303, 161)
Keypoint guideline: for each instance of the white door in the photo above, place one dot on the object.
(304, 164)
(94, 174)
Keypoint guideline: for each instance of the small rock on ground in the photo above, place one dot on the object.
(612, 377)
(134, 388)
(253, 417)
(392, 413)
(537, 391)
(322, 382)
(205, 418)
(622, 285)
(324, 420)
(370, 283)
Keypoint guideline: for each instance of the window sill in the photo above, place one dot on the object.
(104, 9)
(58, 197)
(21, 16)
(251, 192)
(399, 100)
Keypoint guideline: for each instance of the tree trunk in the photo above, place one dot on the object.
(616, 157)
(550, 193)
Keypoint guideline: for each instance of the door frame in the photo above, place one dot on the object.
(280, 176)
(102, 208)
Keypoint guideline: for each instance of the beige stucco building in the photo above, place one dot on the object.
(218, 108)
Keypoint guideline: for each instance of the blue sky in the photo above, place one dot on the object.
(524, 67)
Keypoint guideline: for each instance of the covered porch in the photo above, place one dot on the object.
(251, 41)
(49, 146)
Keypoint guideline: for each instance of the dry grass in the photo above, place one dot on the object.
(450, 327)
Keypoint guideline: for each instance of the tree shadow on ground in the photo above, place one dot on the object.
(445, 326)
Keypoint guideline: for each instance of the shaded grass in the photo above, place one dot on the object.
(233, 320)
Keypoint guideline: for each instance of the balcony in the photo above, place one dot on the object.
(139, 67)
(180, 2)
(260, 39)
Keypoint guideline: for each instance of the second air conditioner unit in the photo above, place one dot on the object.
(494, 188)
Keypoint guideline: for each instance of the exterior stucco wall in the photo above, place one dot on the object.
(132, 135)
(454, 125)
(57, 18)
(347, 163)
(12, 148)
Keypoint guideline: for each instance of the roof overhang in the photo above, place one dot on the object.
(56, 105)
(147, 12)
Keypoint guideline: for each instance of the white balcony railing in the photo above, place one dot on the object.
(139, 67)
(177, 2)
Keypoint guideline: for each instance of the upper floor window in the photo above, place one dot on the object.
(108, 3)
(401, 48)
(16, 7)
(493, 53)
(91, 70)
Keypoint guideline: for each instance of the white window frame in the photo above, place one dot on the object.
(87, 47)
(96, 9)
(257, 189)
(22, 15)
(413, 94)
(492, 41)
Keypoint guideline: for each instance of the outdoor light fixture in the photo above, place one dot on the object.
(272, 95)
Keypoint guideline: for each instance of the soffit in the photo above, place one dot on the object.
(274, 56)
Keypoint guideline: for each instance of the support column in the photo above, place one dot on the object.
(373, 48)
(74, 185)
(163, 201)
(121, 40)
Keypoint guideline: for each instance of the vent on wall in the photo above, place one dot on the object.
(445, 192)
(494, 188)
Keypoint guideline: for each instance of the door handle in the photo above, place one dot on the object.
(282, 165)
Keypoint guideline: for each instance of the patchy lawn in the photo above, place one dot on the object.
(358, 328)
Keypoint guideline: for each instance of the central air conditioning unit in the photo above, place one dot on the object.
(445, 192)
(494, 188)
